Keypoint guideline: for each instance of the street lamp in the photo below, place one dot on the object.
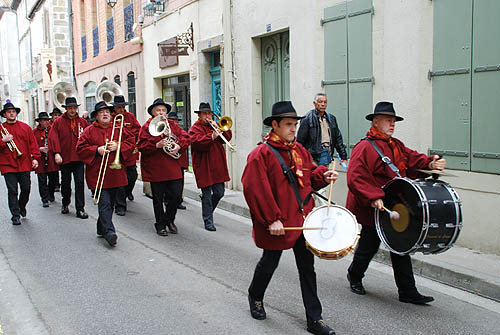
(111, 3)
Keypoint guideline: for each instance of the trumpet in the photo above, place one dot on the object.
(11, 144)
(159, 125)
(115, 165)
(224, 124)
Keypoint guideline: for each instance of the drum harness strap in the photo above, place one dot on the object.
(384, 158)
(287, 171)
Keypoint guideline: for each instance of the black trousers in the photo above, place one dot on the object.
(305, 264)
(77, 169)
(171, 192)
(12, 179)
(105, 208)
(210, 197)
(369, 243)
(47, 183)
(124, 191)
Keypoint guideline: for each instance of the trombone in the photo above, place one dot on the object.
(225, 123)
(11, 144)
(115, 165)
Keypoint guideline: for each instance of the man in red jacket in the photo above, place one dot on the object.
(56, 112)
(131, 124)
(273, 205)
(91, 147)
(172, 115)
(209, 162)
(366, 175)
(162, 170)
(19, 155)
(47, 171)
(63, 136)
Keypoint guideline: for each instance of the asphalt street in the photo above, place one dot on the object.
(58, 277)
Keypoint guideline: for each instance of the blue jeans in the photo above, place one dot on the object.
(325, 158)
(211, 196)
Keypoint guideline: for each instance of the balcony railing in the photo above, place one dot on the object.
(95, 36)
(128, 13)
(110, 33)
(84, 48)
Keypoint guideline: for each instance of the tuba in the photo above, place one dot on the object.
(61, 91)
(107, 90)
(159, 125)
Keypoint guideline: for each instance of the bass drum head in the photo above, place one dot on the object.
(340, 228)
(402, 235)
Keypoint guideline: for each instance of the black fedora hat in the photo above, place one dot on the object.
(55, 111)
(281, 110)
(119, 100)
(383, 108)
(204, 108)
(70, 102)
(98, 106)
(172, 115)
(158, 102)
(9, 105)
(42, 116)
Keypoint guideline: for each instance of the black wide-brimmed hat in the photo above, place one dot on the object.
(55, 110)
(384, 108)
(172, 115)
(9, 105)
(119, 101)
(158, 102)
(204, 108)
(98, 106)
(70, 102)
(42, 116)
(282, 110)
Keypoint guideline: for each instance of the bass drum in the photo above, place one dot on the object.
(338, 235)
(430, 216)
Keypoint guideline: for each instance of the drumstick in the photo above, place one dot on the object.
(393, 214)
(331, 188)
(303, 228)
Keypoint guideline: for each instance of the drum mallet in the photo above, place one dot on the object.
(392, 214)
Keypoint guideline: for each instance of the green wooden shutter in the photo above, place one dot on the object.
(485, 140)
(451, 84)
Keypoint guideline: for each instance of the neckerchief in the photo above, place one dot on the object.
(43, 131)
(74, 122)
(280, 143)
(399, 161)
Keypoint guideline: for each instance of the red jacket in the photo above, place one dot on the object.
(86, 148)
(62, 139)
(40, 136)
(156, 165)
(133, 126)
(25, 142)
(367, 174)
(270, 196)
(208, 156)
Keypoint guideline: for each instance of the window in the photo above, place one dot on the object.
(83, 30)
(131, 93)
(95, 30)
(110, 28)
(118, 80)
(128, 19)
(89, 90)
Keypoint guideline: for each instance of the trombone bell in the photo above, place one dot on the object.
(225, 123)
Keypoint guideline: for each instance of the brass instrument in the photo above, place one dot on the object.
(225, 123)
(11, 144)
(159, 125)
(107, 90)
(105, 158)
(60, 92)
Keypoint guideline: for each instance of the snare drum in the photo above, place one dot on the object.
(430, 216)
(339, 236)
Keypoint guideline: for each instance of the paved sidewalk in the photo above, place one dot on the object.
(463, 268)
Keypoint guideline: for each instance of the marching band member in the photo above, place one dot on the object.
(62, 140)
(209, 162)
(19, 155)
(131, 124)
(172, 115)
(274, 205)
(160, 169)
(56, 112)
(91, 148)
(366, 175)
(47, 171)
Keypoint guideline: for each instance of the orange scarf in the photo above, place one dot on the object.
(399, 161)
(74, 122)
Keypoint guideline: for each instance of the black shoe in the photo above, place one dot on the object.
(210, 227)
(120, 213)
(416, 299)
(130, 197)
(181, 206)
(45, 204)
(162, 232)
(22, 211)
(257, 310)
(52, 198)
(319, 327)
(16, 221)
(111, 238)
(82, 215)
(172, 228)
(64, 210)
(356, 287)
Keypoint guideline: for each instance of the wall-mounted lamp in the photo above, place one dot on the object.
(111, 3)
